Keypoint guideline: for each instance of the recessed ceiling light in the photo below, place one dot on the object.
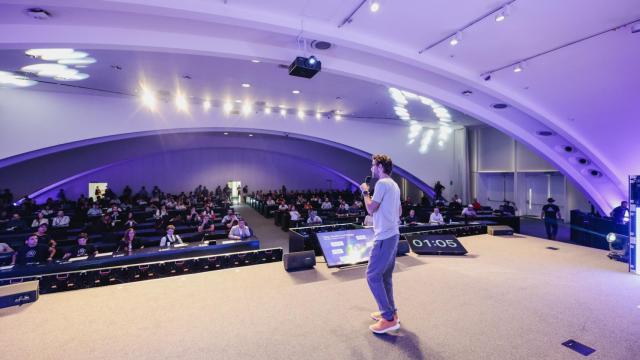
(301, 113)
(374, 6)
(238, 101)
(226, 133)
(246, 109)
(283, 112)
(318, 114)
(518, 68)
(255, 61)
(227, 107)
(246, 85)
(267, 110)
(206, 105)
(181, 102)
(296, 91)
(456, 39)
(148, 98)
(250, 134)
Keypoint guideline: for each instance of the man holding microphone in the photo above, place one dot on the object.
(386, 209)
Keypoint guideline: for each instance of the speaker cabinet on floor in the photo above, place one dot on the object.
(300, 260)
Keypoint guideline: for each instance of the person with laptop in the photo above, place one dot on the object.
(386, 209)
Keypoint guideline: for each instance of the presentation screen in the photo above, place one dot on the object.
(348, 247)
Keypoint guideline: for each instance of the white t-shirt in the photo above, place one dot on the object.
(385, 219)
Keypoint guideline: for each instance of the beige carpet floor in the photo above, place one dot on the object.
(510, 298)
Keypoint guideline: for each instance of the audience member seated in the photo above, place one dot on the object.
(130, 222)
(228, 219)
(314, 219)
(342, 210)
(105, 225)
(308, 206)
(114, 209)
(60, 221)
(507, 209)
(170, 238)
(206, 225)
(326, 204)
(39, 220)
(82, 249)
(455, 207)
(95, 211)
(469, 211)
(295, 215)
(270, 202)
(46, 211)
(411, 219)
(283, 207)
(194, 218)
(16, 224)
(476, 204)
(425, 201)
(436, 217)
(33, 252)
(161, 213)
(41, 233)
(129, 242)
(239, 230)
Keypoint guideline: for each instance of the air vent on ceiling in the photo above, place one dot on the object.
(321, 45)
(499, 106)
(544, 133)
(568, 148)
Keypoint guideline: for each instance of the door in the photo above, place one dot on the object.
(96, 188)
(236, 191)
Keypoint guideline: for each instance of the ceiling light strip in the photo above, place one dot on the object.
(519, 62)
(453, 34)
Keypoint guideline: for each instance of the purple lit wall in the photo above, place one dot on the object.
(184, 170)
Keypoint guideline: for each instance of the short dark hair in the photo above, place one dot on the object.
(83, 236)
(385, 161)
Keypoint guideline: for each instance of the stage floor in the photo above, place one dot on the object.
(509, 298)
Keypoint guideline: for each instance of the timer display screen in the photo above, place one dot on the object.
(429, 244)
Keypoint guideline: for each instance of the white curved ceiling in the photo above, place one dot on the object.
(585, 93)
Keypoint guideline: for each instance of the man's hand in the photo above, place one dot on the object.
(364, 187)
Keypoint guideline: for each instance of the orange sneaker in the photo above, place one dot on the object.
(383, 326)
(378, 315)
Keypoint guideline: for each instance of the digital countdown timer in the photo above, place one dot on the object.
(429, 244)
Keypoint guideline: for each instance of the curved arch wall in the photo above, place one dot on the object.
(41, 121)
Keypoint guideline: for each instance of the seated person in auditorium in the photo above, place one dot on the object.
(170, 203)
(436, 217)
(411, 219)
(82, 249)
(61, 221)
(342, 210)
(130, 222)
(33, 252)
(46, 211)
(16, 224)
(456, 198)
(170, 238)
(357, 204)
(104, 225)
(326, 204)
(425, 201)
(114, 208)
(469, 211)
(95, 211)
(455, 207)
(368, 220)
(270, 201)
(283, 207)
(181, 206)
(620, 214)
(129, 242)
(206, 225)
(314, 219)
(507, 209)
(41, 233)
(308, 206)
(161, 213)
(476, 204)
(239, 231)
(295, 215)
(193, 217)
(228, 219)
(40, 219)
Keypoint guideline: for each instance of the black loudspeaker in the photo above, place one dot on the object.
(299, 260)
(18, 294)
(403, 247)
(498, 230)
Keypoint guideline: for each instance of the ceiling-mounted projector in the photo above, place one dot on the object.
(305, 67)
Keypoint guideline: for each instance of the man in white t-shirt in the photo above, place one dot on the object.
(386, 209)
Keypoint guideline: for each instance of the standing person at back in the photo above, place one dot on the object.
(385, 207)
(551, 215)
